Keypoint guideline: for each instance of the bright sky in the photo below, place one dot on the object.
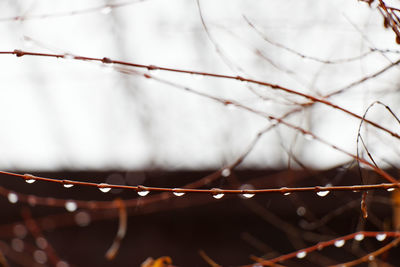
(68, 114)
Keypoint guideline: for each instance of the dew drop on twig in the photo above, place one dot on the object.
(20, 230)
(68, 185)
(71, 206)
(17, 244)
(283, 189)
(40, 256)
(177, 193)
(217, 194)
(308, 137)
(371, 257)
(301, 254)
(82, 218)
(143, 193)
(339, 243)
(41, 242)
(301, 211)
(226, 172)
(248, 195)
(246, 188)
(68, 56)
(29, 178)
(323, 193)
(103, 188)
(381, 237)
(12, 197)
(359, 237)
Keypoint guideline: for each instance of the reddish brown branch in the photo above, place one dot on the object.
(20, 53)
(303, 252)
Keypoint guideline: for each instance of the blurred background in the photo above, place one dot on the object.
(105, 123)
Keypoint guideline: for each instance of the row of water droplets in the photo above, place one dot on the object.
(143, 191)
(341, 242)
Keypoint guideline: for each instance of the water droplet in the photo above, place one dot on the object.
(226, 172)
(248, 195)
(68, 56)
(20, 231)
(12, 197)
(153, 69)
(17, 244)
(68, 185)
(308, 137)
(178, 194)
(29, 178)
(339, 243)
(143, 193)
(231, 106)
(246, 188)
(390, 189)
(106, 10)
(301, 211)
(381, 237)
(71, 206)
(217, 194)
(371, 257)
(283, 191)
(40, 256)
(359, 237)
(41, 242)
(103, 187)
(82, 218)
(301, 254)
(323, 193)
